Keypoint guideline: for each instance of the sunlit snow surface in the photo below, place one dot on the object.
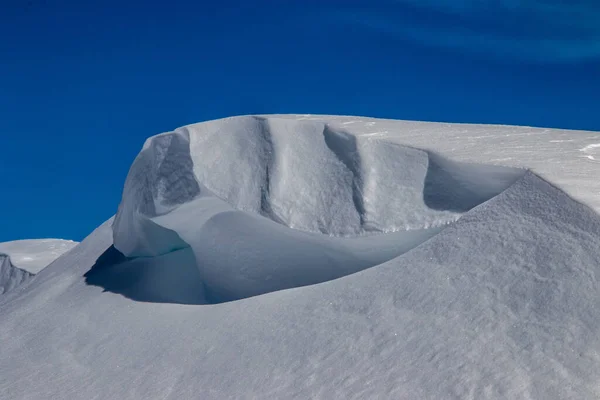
(20, 260)
(468, 259)
(352, 202)
(33, 255)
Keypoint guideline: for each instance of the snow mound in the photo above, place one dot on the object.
(11, 276)
(20, 260)
(504, 303)
(33, 255)
(231, 190)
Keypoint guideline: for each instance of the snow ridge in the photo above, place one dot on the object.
(33, 255)
(502, 303)
(304, 175)
(10, 276)
(257, 177)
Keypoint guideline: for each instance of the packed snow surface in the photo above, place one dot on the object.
(33, 255)
(21, 259)
(11, 276)
(184, 190)
(327, 257)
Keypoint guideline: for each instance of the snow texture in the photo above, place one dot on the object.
(11, 276)
(230, 190)
(455, 280)
(33, 255)
(21, 259)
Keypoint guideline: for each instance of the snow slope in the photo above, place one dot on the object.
(11, 276)
(35, 254)
(185, 190)
(477, 283)
(21, 259)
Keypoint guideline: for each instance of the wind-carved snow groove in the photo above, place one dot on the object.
(341, 144)
(175, 188)
(344, 146)
(263, 204)
(265, 200)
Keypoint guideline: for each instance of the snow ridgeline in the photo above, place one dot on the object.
(22, 259)
(230, 190)
(502, 304)
(11, 276)
(33, 255)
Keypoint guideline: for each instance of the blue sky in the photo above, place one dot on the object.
(82, 85)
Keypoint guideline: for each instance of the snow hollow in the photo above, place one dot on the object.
(326, 257)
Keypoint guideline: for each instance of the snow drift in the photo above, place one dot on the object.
(33, 255)
(20, 260)
(496, 296)
(231, 190)
(11, 276)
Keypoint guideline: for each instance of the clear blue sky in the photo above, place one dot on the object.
(82, 84)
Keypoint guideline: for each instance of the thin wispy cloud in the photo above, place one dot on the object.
(512, 31)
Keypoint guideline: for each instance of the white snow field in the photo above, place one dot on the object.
(22, 259)
(33, 255)
(300, 256)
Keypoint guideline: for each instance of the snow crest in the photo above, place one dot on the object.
(11, 276)
(33, 255)
(231, 190)
(504, 303)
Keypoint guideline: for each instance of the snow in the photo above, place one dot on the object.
(183, 191)
(11, 276)
(592, 152)
(20, 260)
(33, 255)
(419, 261)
